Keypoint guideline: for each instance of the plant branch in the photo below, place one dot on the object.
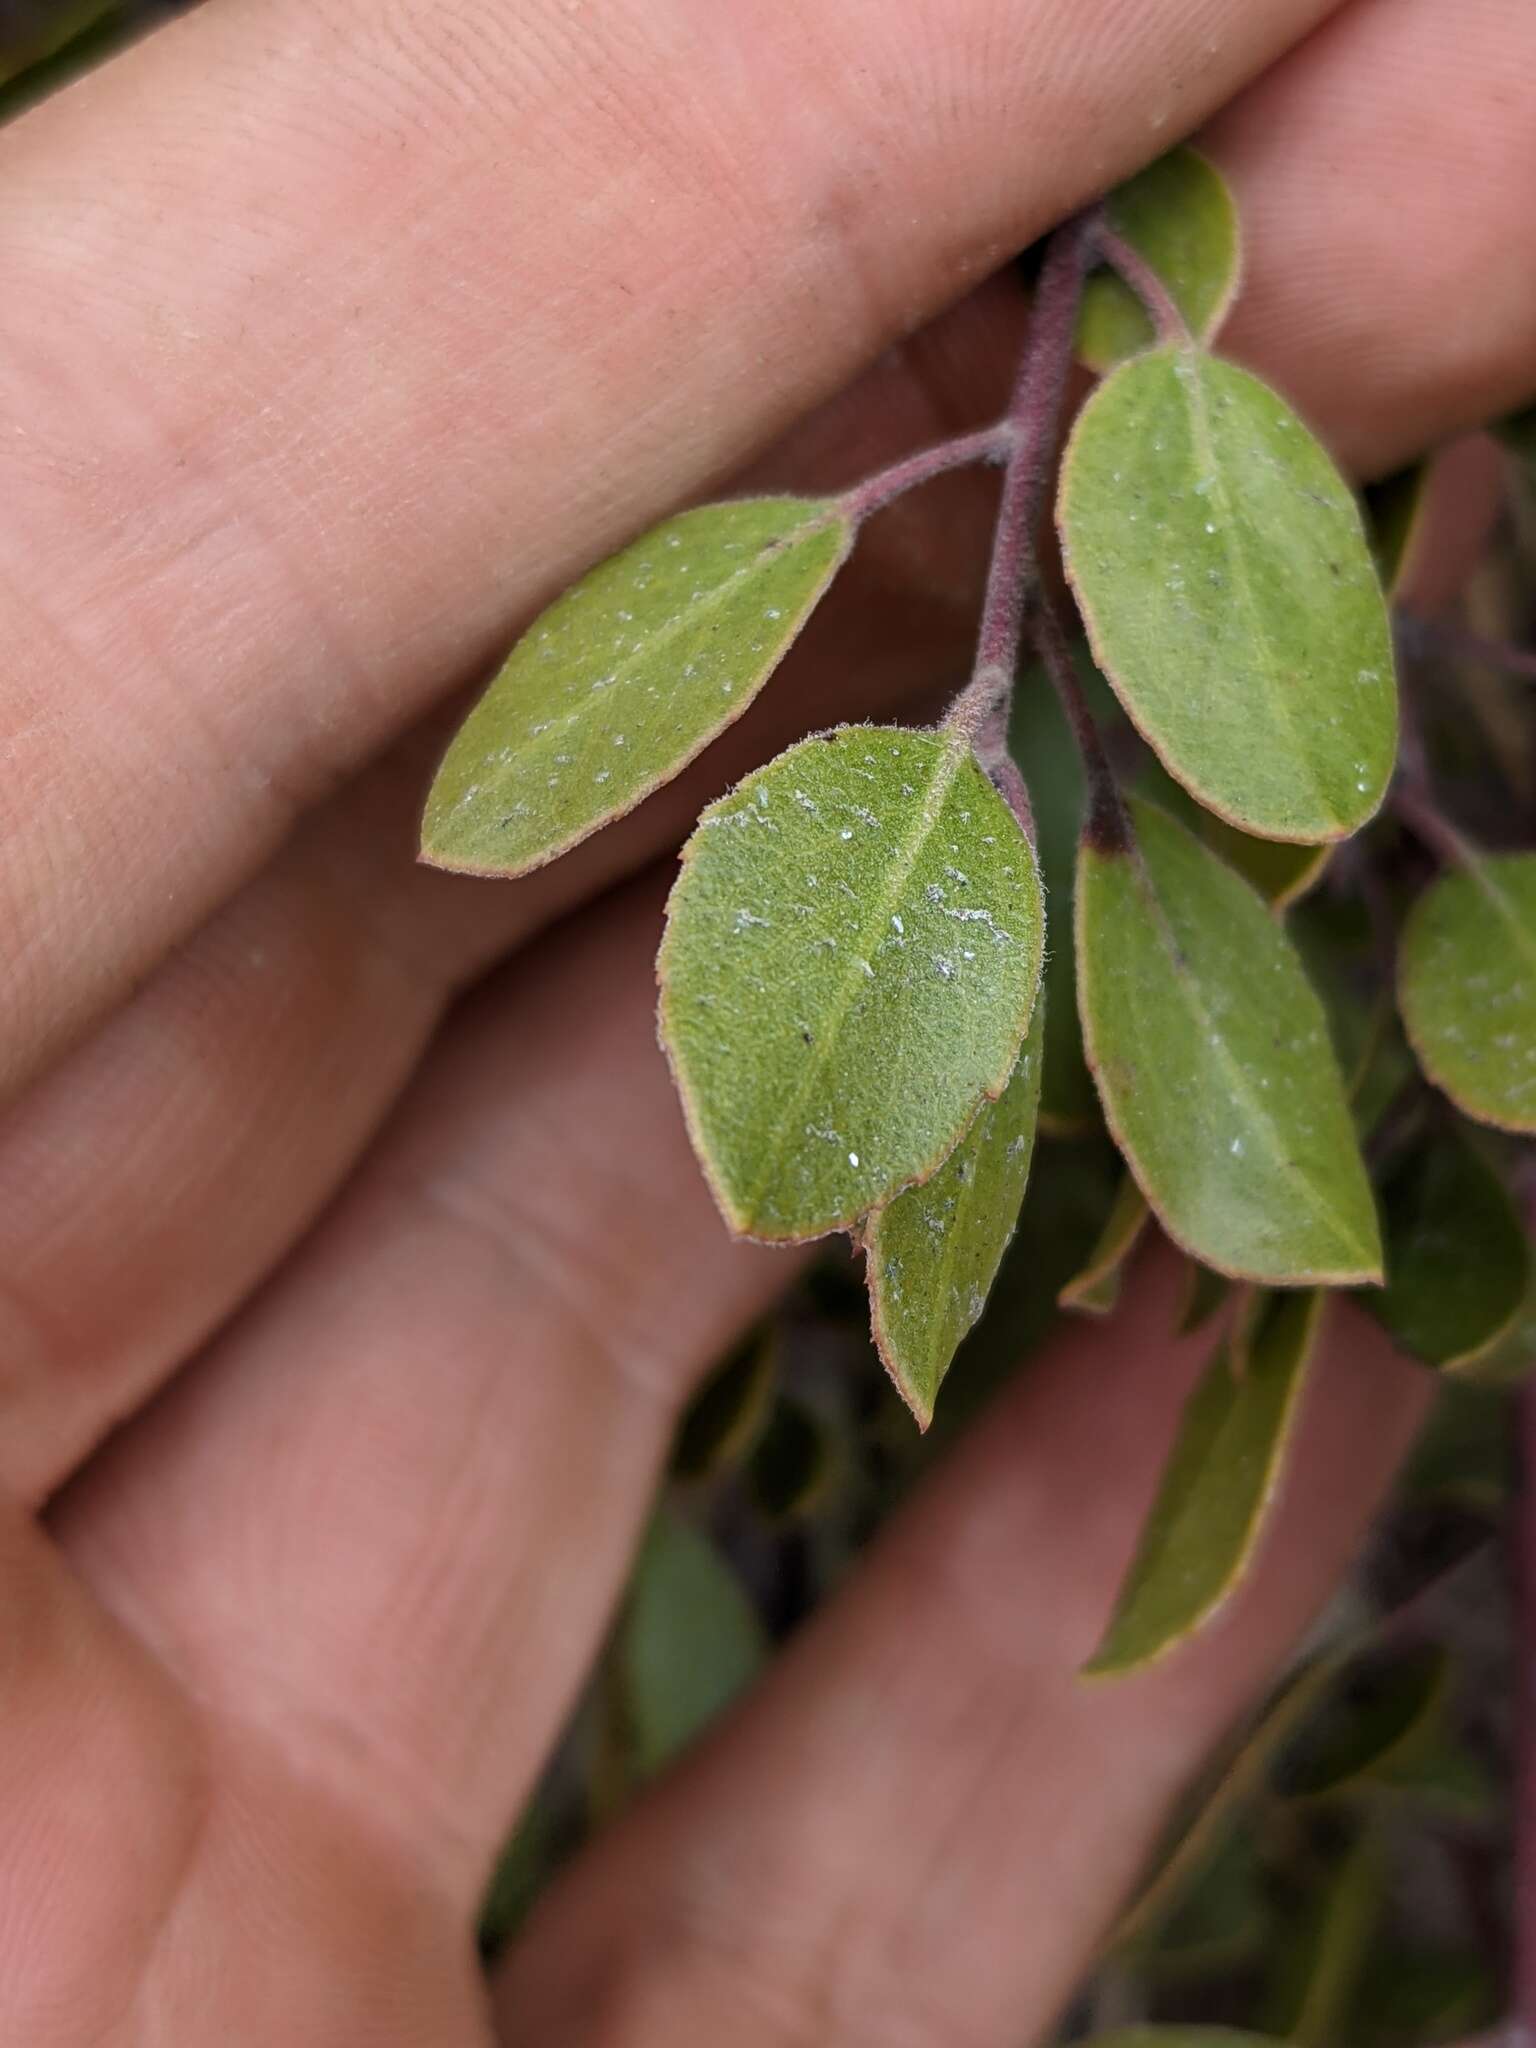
(980, 712)
(988, 444)
(1134, 270)
(1427, 822)
(1106, 824)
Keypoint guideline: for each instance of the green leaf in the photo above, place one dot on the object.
(1229, 595)
(1200, 1537)
(1464, 1458)
(934, 1252)
(1458, 1261)
(1198, 1835)
(1214, 1064)
(689, 1642)
(726, 1416)
(1411, 1995)
(628, 676)
(1041, 743)
(1391, 1710)
(1202, 1293)
(1317, 1973)
(852, 954)
(1180, 216)
(1466, 985)
(1281, 870)
(792, 1464)
(1095, 1287)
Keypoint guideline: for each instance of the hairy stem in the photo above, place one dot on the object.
(980, 712)
(988, 444)
(1105, 822)
(1133, 269)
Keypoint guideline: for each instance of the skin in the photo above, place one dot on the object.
(355, 1265)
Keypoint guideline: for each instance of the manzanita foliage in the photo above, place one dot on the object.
(1097, 897)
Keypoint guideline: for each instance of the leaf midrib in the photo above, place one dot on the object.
(656, 643)
(956, 750)
(1204, 1020)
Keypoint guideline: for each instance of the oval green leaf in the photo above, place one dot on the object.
(1095, 1288)
(1458, 1260)
(1179, 215)
(1466, 986)
(1229, 595)
(689, 1642)
(1220, 1480)
(852, 954)
(1214, 1065)
(934, 1252)
(1393, 1714)
(628, 676)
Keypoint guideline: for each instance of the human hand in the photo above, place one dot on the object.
(332, 342)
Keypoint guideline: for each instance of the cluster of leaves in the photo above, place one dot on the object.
(1340, 1874)
(855, 994)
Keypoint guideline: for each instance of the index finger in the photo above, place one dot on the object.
(334, 338)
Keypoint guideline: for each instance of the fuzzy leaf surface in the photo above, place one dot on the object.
(851, 959)
(1214, 1064)
(1179, 214)
(1229, 595)
(1458, 1260)
(618, 685)
(1466, 985)
(1200, 1537)
(933, 1253)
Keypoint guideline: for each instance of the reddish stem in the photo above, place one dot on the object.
(1420, 637)
(1134, 270)
(980, 712)
(988, 444)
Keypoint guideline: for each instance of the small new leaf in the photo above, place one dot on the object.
(1095, 1289)
(629, 675)
(934, 1252)
(1458, 1260)
(1229, 595)
(852, 954)
(1203, 1531)
(1466, 985)
(1214, 1066)
(1179, 215)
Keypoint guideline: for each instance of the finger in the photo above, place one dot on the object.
(240, 1084)
(383, 1522)
(336, 338)
(1384, 174)
(920, 1826)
